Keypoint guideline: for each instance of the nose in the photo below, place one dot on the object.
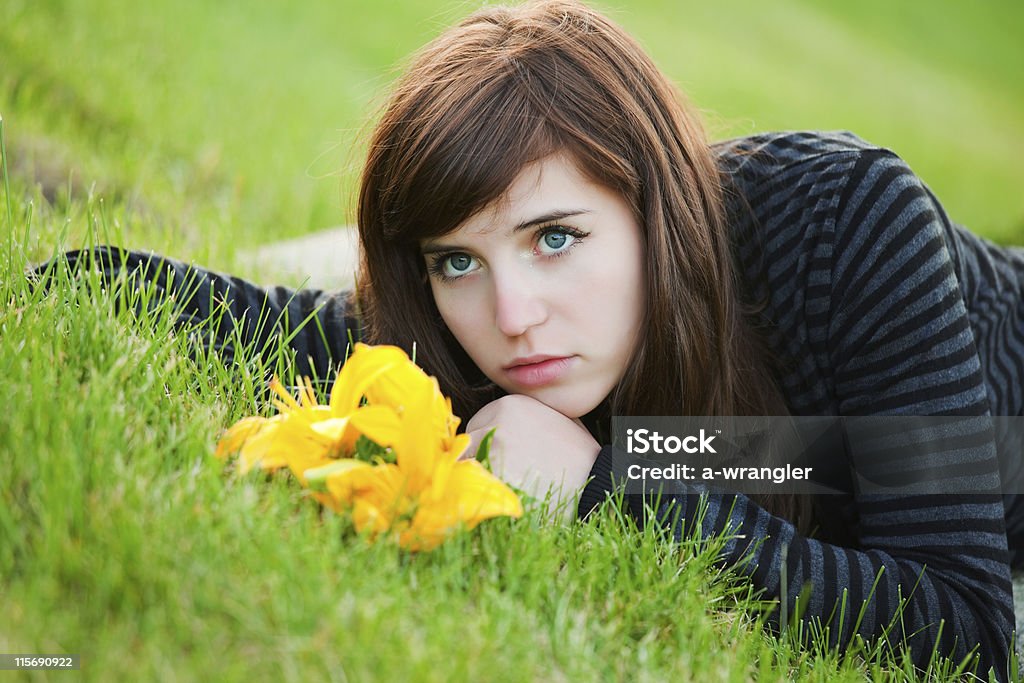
(519, 302)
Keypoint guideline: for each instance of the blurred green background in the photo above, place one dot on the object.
(208, 125)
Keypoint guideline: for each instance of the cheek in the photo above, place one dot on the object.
(634, 275)
(635, 293)
(461, 314)
(627, 301)
(618, 292)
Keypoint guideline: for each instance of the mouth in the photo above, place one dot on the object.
(536, 371)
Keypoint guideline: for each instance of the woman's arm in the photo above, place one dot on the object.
(535, 448)
(225, 311)
(899, 343)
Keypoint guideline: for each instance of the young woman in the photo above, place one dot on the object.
(542, 216)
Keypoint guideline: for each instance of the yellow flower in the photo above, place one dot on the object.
(306, 434)
(401, 379)
(381, 503)
(423, 496)
(428, 493)
(252, 438)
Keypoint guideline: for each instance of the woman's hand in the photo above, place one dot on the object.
(535, 448)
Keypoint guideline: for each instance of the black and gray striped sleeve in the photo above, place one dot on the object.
(226, 313)
(898, 343)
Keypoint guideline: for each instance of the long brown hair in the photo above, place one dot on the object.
(508, 86)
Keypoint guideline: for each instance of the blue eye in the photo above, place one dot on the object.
(451, 266)
(460, 263)
(555, 241)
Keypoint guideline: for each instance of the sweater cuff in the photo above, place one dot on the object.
(600, 484)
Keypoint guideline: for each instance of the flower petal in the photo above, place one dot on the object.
(332, 469)
(394, 387)
(299, 461)
(419, 450)
(333, 428)
(472, 495)
(366, 364)
(476, 494)
(378, 423)
(363, 481)
(420, 537)
(334, 476)
(237, 434)
(262, 449)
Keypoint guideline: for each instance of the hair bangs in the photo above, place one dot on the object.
(467, 159)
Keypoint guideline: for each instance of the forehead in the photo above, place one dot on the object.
(554, 183)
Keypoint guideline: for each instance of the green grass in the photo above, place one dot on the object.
(193, 127)
(126, 542)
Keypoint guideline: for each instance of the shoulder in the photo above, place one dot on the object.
(790, 146)
(771, 167)
(814, 176)
(768, 165)
(853, 204)
(840, 238)
(837, 202)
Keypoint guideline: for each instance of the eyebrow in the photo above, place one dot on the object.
(436, 248)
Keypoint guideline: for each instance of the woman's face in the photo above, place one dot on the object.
(544, 288)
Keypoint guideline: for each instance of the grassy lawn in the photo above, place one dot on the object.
(194, 127)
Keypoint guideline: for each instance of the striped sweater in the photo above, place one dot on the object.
(878, 304)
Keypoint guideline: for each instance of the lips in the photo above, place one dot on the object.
(538, 370)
